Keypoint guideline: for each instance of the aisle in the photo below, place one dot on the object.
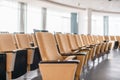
(107, 69)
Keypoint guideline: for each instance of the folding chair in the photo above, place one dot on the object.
(54, 66)
(66, 50)
(24, 42)
(13, 61)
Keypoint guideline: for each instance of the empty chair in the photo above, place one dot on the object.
(87, 44)
(24, 42)
(93, 46)
(13, 62)
(65, 50)
(53, 65)
(98, 48)
(103, 44)
(74, 47)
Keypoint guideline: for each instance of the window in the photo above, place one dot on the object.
(97, 25)
(58, 21)
(114, 25)
(9, 16)
(33, 18)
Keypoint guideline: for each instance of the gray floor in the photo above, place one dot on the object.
(108, 69)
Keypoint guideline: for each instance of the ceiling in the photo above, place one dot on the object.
(100, 5)
(105, 5)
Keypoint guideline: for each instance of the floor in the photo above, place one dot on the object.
(107, 69)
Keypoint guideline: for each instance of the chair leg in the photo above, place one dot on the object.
(25, 76)
(98, 59)
(9, 75)
(102, 57)
(107, 56)
(93, 63)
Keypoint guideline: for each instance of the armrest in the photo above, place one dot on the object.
(106, 40)
(14, 51)
(60, 62)
(70, 58)
(3, 52)
(84, 49)
(80, 50)
(33, 48)
(74, 54)
(89, 46)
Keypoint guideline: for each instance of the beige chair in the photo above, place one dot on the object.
(98, 48)
(93, 45)
(53, 65)
(65, 50)
(13, 61)
(103, 44)
(74, 47)
(24, 42)
(87, 44)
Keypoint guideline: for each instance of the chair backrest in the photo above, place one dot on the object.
(117, 38)
(100, 38)
(63, 44)
(112, 38)
(34, 39)
(95, 38)
(22, 41)
(90, 39)
(106, 38)
(47, 46)
(7, 42)
(84, 40)
(72, 42)
(30, 37)
(78, 40)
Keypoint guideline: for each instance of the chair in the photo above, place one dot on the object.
(66, 50)
(98, 48)
(24, 42)
(87, 44)
(53, 65)
(103, 44)
(74, 47)
(108, 40)
(13, 62)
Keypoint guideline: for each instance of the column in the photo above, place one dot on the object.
(44, 18)
(89, 20)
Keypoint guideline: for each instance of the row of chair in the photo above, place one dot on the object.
(17, 55)
(59, 53)
(58, 49)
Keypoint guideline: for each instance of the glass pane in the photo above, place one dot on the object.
(97, 24)
(33, 18)
(114, 25)
(58, 21)
(9, 16)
